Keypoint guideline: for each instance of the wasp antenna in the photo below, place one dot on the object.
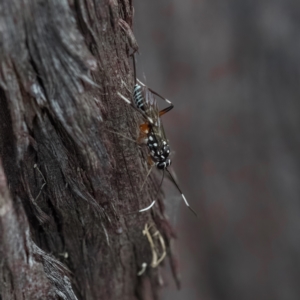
(134, 69)
(148, 207)
(162, 179)
(183, 197)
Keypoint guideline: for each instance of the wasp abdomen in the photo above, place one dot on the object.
(138, 97)
(163, 164)
(159, 152)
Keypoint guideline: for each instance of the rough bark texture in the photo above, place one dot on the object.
(68, 184)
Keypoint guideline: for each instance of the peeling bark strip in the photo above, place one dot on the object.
(68, 185)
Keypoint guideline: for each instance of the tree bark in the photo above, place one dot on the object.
(68, 184)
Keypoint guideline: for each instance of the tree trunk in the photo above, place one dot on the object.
(69, 185)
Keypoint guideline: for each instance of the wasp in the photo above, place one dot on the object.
(152, 132)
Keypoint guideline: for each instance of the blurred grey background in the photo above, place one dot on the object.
(232, 70)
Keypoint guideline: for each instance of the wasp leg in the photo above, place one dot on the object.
(120, 134)
(153, 202)
(148, 207)
(144, 129)
(179, 189)
(150, 162)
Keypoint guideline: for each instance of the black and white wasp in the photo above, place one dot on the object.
(152, 131)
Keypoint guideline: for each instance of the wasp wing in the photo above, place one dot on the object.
(152, 112)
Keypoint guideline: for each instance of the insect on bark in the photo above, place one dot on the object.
(152, 131)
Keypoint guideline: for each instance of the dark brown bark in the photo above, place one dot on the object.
(67, 183)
